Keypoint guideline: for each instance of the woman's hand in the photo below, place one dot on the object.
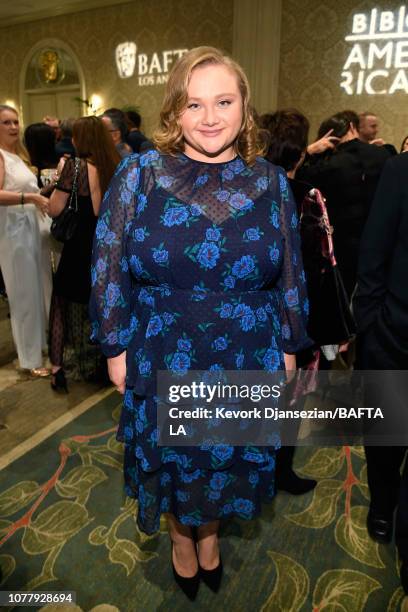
(117, 371)
(39, 200)
(325, 142)
(290, 366)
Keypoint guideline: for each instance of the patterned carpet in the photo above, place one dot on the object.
(65, 524)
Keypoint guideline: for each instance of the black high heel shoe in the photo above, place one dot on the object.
(212, 578)
(59, 382)
(189, 586)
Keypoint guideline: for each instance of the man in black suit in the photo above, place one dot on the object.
(381, 311)
(348, 178)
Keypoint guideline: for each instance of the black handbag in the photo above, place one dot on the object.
(330, 318)
(64, 226)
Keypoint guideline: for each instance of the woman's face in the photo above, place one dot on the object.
(405, 146)
(9, 128)
(213, 116)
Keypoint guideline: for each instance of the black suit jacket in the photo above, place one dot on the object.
(348, 179)
(381, 299)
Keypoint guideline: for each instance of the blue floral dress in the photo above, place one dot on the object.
(196, 266)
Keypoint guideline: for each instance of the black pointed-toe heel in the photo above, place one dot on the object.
(59, 382)
(189, 586)
(212, 578)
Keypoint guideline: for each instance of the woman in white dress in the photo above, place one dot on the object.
(20, 245)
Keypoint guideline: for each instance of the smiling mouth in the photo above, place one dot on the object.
(211, 133)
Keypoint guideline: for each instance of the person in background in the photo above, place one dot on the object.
(20, 244)
(404, 145)
(53, 122)
(114, 120)
(287, 138)
(197, 264)
(381, 310)
(368, 126)
(348, 178)
(98, 159)
(39, 139)
(64, 146)
(135, 138)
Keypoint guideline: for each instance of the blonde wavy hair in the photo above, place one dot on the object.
(21, 151)
(168, 138)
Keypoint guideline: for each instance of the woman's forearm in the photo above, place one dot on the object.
(11, 198)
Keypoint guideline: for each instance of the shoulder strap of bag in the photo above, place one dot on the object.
(73, 198)
(325, 223)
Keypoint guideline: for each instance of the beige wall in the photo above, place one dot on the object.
(155, 25)
(313, 53)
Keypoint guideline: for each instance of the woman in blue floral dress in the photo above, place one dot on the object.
(197, 266)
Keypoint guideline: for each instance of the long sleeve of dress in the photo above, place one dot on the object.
(377, 247)
(292, 280)
(110, 305)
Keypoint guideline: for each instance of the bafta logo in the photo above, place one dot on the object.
(126, 59)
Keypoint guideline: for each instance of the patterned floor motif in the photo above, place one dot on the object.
(66, 525)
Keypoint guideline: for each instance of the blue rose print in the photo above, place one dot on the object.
(139, 234)
(208, 255)
(239, 201)
(242, 506)
(154, 326)
(261, 314)
(180, 363)
(226, 311)
(132, 179)
(160, 256)
(262, 183)
(227, 174)
(165, 181)
(271, 360)
(213, 234)
(248, 320)
(243, 266)
(275, 219)
(168, 318)
(239, 360)
(124, 337)
(218, 480)
(252, 233)
(165, 478)
(112, 294)
(141, 203)
(109, 238)
(237, 166)
(220, 344)
(229, 282)
(222, 452)
(145, 368)
(292, 297)
(148, 158)
(195, 210)
(101, 229)
(223, 195)
(183, 344)
(175, 216)
(201, 180)
(274, 254)
(136, 264)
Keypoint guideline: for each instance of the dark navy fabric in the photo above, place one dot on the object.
(196, 266)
